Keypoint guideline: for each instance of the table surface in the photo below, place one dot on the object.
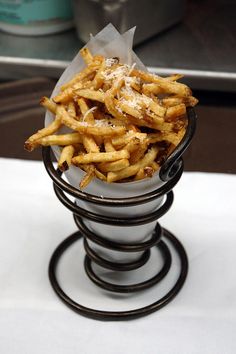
(201, 319)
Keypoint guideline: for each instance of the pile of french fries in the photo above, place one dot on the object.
(122, 122)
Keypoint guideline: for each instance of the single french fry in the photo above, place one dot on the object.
(145, 76)
(149, 171)
(154, 123)
(64, 96)
(86, 72)
(139, 175)
(32, 142)
(136, 85)
(88, 141)
(86, 83)
(180, 134)
(116, 122)
(153, 138)
(85, 128)
(48, 104)
(91, 94)
(64, 161)
(133, 144)
(173, 77)
(86, 55)
(190, 101)
(146, 172)
(86, 112)
(90, 144)
(100, 157)
(113, 166)
(99, 78)
(133, 169)
(100, 175)
(156, 79)
(106, 86)
(138, 154)
(126, 138)
(71, 109)
(111, 104)
(78, 85)
(169, 87)
(61, 140)
(149, 122)
(175, 111)
(108, 145)
(171, 101)
(133, 128)
(157, 109)
(125, 107)
(164, 83)
(98, 59)
(155, 166)
(171, 137)
(151, 89)
(153, 118)
(90, 173)
(142, 101)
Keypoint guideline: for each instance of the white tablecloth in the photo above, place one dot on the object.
(201, 319)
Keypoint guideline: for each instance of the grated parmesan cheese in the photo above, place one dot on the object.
(84, 124)
(110, 61)
(119, 110)
(128, 81)
(121, 72)
(97, 123)
(89, 111)
(133, 102)
(147, 100)
(101, 123)
(132, 68)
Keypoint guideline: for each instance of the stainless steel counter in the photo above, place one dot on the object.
(202, 47)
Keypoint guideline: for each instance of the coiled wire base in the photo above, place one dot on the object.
(119, 315)
(157, 240)
(170, 172)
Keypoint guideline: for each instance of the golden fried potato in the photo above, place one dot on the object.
(123, 121)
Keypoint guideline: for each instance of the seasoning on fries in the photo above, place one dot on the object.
(122, 122)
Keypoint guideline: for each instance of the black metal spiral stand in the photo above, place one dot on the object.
(170, 173)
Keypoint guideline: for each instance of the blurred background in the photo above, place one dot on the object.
(38, 39)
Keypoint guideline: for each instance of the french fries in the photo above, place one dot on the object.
(122, 121)
(100, 157)
(61, 140)
(133, 169)
(90, 173)
(113, 166)
(48, 104)
(64, 161)
(33, 141)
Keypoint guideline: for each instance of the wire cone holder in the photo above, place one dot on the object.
(170, 173)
